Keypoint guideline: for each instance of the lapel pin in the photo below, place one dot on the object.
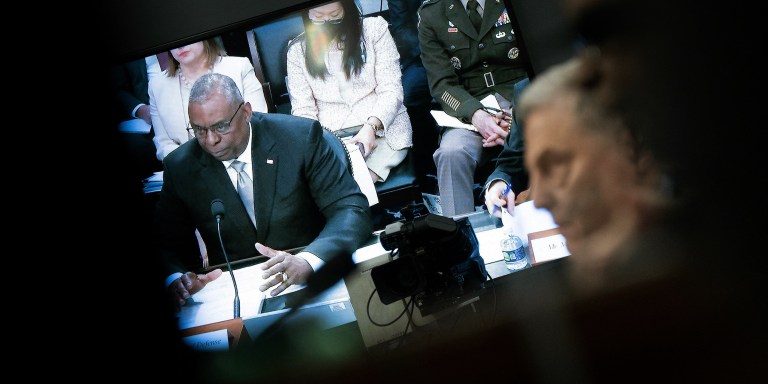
(269, 161)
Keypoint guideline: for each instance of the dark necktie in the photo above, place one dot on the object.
(244, 188)
(474, 15)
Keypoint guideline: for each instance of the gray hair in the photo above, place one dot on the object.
(572, 79)
(211, 83)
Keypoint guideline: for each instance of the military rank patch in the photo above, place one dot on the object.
(456, 62)
(513, 53)
(503, 19)
(451, 101)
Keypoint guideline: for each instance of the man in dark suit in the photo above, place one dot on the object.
(465, 63)
(130, 83)
(403, 21)
(303, 192)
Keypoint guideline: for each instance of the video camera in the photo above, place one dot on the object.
(438, 263)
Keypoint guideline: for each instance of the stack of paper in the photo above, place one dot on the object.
(134, 126)
(153, 183)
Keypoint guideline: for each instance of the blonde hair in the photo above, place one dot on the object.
(213, 49)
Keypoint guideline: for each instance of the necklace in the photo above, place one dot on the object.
(184, 78)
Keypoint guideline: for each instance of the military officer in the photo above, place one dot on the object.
(464, 64)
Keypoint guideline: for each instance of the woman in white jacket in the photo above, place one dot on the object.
(344, 71)
(169, 94)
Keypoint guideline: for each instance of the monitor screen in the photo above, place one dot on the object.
(142, 33)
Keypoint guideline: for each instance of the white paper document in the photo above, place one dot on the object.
(361, 174)
(432, 202)
(526, 218)
(490, 244)
(134, 126)
(444, 120)
(157, 176)
(207, 305)
(490, 101)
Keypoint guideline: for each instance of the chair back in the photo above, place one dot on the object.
(268, 45)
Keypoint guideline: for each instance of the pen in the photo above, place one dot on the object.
(506, 190)
(506, 114)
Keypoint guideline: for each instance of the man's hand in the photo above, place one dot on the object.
(143, 113)
(493, 128)
(494, 200)
(282, 270)
(188, 284)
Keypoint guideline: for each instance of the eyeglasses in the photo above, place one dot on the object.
(221, 128)
(331, 21)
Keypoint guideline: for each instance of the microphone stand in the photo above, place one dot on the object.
(229, 267)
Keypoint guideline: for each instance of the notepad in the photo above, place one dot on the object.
(442, 119)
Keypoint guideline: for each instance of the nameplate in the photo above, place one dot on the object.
(209, 341)
(547, 245)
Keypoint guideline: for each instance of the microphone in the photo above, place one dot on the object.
(217, 209)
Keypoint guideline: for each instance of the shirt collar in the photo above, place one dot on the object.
(481, 2)
(245, 157)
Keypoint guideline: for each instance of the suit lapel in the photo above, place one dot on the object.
(457, 14)
(265, 163)
(491, 14)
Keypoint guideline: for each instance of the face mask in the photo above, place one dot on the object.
(330, 30)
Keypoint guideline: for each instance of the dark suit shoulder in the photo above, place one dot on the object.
(281, 127)
(179, 157)
(429, 9)
(281, 120)
(427, 3)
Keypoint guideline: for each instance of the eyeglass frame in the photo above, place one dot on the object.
(329, 21)
(226, 128)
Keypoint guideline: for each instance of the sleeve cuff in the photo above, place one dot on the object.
(314, 261)
(136, 108)
(467, 109)
(488, 185)
(170, 279)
